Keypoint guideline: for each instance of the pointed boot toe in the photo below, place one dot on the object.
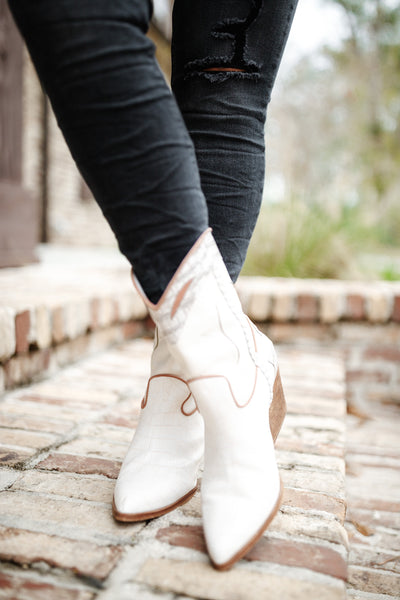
(159, 471)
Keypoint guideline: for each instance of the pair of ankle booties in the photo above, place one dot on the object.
(215, 390)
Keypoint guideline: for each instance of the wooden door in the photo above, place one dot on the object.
(19, 214)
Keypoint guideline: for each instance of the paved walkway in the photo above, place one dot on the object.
(62, 441)
(373, 499)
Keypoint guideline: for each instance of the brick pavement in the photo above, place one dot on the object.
(62, 441)
(373, 498)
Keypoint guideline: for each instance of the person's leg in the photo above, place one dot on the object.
(121, 124)
(128, 138)
(225, 59)
(230, 369)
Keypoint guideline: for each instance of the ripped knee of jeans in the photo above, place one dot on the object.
(220, 69)
(237, 65)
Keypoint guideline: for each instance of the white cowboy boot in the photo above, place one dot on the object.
(231, 369)
(159, 472)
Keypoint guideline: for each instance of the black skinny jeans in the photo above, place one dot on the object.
(161, 180)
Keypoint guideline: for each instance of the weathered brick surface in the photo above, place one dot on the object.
(375, 581)
(27, 547)
(322, 559)
(379, 305)
(14, 587)
(81, 464)
(372, 485)
(42, 332)
(355, 307)
(52, 315)
(307, 307)
(198, 580)
(28, 439)
(22, 328)
(7, 332)
(7, 478)
(33, 423)
(332, 306)
(21, 369)
(14, 457)
(69, 433)
(70, 485)
(59, 516)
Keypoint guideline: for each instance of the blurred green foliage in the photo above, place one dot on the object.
(333, 135)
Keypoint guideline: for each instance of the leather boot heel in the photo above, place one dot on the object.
(277, 410)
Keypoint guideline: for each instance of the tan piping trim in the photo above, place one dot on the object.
(252, 333)
(227, 380)
(179, 297)
(157, 306)
(189, 414)
(229, 385)
(146, 395)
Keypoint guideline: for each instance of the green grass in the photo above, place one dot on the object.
(300, 240)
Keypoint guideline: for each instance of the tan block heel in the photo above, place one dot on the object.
(277, 410)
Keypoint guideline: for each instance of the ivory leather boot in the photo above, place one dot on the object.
(159, 472)
(232, 372)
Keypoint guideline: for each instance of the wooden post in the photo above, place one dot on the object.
(18, 210)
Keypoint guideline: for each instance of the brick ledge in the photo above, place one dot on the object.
(319, 300)
(44, 308)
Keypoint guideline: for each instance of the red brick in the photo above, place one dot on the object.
(45, 400)
(294, 554)
(289, 332)
(307, 307)
(396, 309)
(384, 353)
(355, 307)
(22, 327)
(20, 369)
(85, 465)
(307, 500)
(26, 547)
(187, 536)
(367, 376)
(132, 329)
(129, 422)
(23, 588)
